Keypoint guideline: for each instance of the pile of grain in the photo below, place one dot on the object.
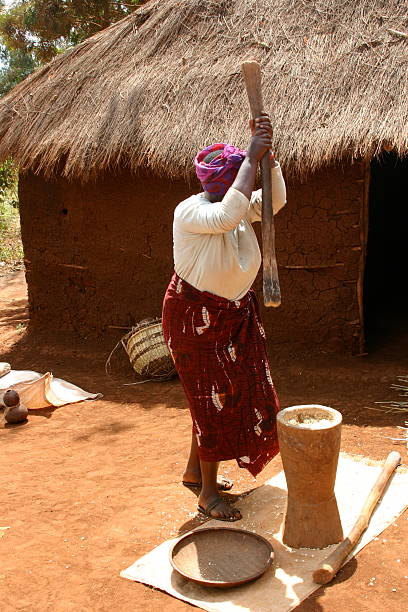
(309, 421)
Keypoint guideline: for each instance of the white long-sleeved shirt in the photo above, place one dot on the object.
(214, 244)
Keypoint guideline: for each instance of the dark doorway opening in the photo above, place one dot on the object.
(386, 273)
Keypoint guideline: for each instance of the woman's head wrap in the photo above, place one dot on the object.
(216, 173)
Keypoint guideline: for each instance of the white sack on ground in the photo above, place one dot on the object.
(4, 368)
(43, 390)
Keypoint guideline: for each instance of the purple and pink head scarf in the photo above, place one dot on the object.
(217, 175)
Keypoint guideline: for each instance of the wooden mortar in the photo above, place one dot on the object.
(310, 454)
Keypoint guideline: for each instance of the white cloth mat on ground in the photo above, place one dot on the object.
(289, 580)
(43, 390)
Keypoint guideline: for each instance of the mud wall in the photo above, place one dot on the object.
(100, 254)
(319, 251)
(97, 254)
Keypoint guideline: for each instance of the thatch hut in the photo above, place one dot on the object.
(105, 134)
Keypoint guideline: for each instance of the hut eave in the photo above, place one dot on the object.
(149, 91)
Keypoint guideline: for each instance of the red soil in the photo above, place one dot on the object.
(88, 488)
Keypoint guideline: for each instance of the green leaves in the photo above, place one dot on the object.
(10, 241)
(15, 65)
(32, 32)
(8, 179)
(43, 27)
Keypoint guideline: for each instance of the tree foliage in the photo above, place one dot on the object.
(8, 181)
(14, 67)
(32, 32)
(44, 28)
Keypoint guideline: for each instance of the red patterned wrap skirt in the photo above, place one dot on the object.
(219, 350)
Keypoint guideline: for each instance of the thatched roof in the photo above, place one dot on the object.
(165, 81)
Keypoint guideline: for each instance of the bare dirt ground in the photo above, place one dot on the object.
(88, 488)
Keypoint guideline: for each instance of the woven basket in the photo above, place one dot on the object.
(148, 352)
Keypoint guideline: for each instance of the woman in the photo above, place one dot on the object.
(211, 320)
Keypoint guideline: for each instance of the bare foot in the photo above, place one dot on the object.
(223, 484)
(192, 476)
(218, 508)
(194, 481)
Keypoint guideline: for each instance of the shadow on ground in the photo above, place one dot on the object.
(352, 385)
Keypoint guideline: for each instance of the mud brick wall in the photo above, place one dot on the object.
(97, 254)
(318, 240)
(100, 254)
